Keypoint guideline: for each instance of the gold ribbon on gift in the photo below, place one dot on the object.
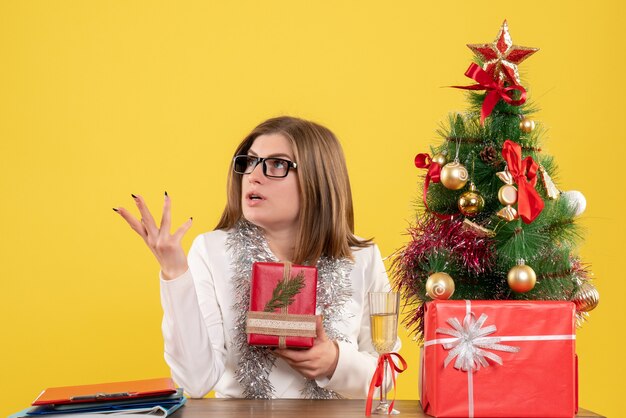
(282, 324)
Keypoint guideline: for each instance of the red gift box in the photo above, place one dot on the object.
(499, 359)
(282, 305)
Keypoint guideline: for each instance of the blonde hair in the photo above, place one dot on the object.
(326, 221)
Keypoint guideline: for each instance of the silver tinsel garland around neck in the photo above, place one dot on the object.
(248, 245)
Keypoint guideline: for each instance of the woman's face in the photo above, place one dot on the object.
(271, 203)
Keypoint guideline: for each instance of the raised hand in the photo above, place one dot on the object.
(166, 247)
(318, 361)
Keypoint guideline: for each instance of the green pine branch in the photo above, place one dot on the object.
(285, 292)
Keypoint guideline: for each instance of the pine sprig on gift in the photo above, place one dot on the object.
(284, 293)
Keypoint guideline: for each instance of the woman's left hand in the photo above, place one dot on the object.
(318, 361)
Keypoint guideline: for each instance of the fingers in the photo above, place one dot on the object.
(180, 232)
(132, 221)
(146, 217)
(166, 218)
(311, 353)
(304, 362)
(319, 330)
(293, 356)
(319, 360)
(146, 227)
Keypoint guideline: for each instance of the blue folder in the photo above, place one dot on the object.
(164, 404)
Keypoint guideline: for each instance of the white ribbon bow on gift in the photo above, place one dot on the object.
(471, 343)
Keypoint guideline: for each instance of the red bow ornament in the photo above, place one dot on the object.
(433, 174)
(524, 173)
(377, 379)
(495, 90)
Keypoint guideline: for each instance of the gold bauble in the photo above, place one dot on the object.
(454, 176)
(527, 125)
(439, 159)
(586, 298)
(439, 286)
(521, 278)
(471, 203)
(507, 195)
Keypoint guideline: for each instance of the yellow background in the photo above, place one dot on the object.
(100, 99)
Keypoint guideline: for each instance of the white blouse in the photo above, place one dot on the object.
(199, 321)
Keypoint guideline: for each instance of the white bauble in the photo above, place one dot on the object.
(576, 201)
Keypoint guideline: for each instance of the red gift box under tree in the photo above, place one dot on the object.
(499, 359)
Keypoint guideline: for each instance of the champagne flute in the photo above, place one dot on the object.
(384, 307)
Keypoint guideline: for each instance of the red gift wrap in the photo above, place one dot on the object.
(499, 359)
(285, 325)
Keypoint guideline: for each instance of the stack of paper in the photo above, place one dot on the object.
(158, 397)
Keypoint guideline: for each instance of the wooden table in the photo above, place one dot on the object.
(299, 408)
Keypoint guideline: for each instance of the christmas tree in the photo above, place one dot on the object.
(493, 225)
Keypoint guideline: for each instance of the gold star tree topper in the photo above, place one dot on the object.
(500, 58)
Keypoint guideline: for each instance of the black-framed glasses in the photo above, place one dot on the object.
(272, 167)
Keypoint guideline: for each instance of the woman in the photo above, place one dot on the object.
(289, 199)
